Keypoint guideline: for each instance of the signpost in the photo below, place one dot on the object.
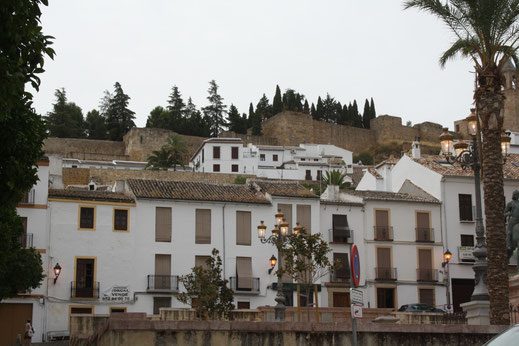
(356, 296)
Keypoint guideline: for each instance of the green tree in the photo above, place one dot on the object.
(119, 119)
(66, 118)
(23, 47)
(334, 177)
(277, 103)
(313, 111)
(171, 154)
(366, 115)
(95, 125)
(207, 291)
(235, 121)
(215, 111)
(318, 115)
(486, 32)
(365, 157)
(372, 109)
(197, 125)
(305, 259)
(329, 109)
(292, 101)
(306, 107)
(154, 119)
(355, 115)
(175, 120)
(263, 108)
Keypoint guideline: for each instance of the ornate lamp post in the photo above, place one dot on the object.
(467, 155)
(278, 237)
(447, 255)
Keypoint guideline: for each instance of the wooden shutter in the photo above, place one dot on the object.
(243, 228)
(426, 296)
(234, 153)
(162, 272)
(381, 218)
(120, 219)
(384, 263)
(86, 217)
(163, 224)
(203, 226)
(286, 209)
(201, 261)
(304, 217)
(425, 258)
(244, 273)
(344, 271)
(423, 227)
(216, 152)
(465, 207)
(341, 299)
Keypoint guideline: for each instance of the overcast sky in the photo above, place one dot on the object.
(351, 49)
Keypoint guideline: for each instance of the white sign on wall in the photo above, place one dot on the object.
(118, 294)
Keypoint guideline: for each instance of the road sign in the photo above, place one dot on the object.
(448, 308)
(356, 311)
(356, 296)
(355, 265)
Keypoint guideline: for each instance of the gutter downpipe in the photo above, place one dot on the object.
(223, 238)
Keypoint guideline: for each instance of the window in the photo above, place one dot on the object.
(308, 175)
(87, 218)
(457, 127)
(203, 226)
(382, 229)
(114, 309)
(244, 273)
(162, 224)
(162, 278)
(262, 157)
(467, 240)
(216, 152)
(25, 239)
(275, 157)
(160, 302)
(216, 168)
(425, 269)
(203, 156)
(341, 299)
(319, 173)
(465, 205)
(304, 217)
(243, 305)
(234, 168)
(243, 228)
(423, 227)
(84, 285)
(201, 261)
(341, 230)
(316, 160)
(385, 297)
(343, 273)
(384, 271)
(234, 153)
(121, 220)
(426, 296)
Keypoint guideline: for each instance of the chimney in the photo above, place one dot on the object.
(415, 151)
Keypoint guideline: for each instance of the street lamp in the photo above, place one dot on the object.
(467, 155)
(57, 271)
(278, 237)
(445, 264)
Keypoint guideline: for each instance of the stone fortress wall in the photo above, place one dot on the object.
(287, 128)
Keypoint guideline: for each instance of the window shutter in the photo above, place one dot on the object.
(427, 296)
(304, 217)
(162, 224)
(243, 228)
(203, 226)
(201, 261)
(244, 272)
(344, 271)
(286, 209)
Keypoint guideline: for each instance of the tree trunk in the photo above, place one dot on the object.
(490, 104)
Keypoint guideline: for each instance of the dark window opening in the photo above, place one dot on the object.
(465, 206)
(234, 168)
(216, 152)
(86, 217)
(120, 219)
(216, 168)
(234, 153)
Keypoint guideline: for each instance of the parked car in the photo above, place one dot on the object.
(419, 307)
(508, 337)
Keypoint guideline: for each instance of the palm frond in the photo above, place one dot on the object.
(467, 47)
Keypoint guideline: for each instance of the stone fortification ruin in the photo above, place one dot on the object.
(287, 128)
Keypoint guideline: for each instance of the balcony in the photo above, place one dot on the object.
(79, 289)
(383, 233)
(340, 276)
(28, 197)
(162, 283)
(425, 234)
(427, 274)
(245, 285)
(25, 240)
(385, 273)
(341, 236)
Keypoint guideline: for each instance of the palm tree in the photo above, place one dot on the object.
(486, 32)
(178, 150)
(334, 177)
(160, 160)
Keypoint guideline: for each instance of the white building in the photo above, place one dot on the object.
(454, 187)
(305, 162)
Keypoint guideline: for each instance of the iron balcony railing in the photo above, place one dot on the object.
(239, 284)
(338, 276)
(25, 240)
(383, 233)
(426, 274)
(80, 289)
(164, 283)
(341, 236)
(425, 234)
(385, 273)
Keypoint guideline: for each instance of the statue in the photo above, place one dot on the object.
(512, 229)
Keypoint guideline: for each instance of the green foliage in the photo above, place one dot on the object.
(254, 121)
(173, 153)
(306, 108)
(206, 291)
(240, 180)
(334, 177)
(277, 103)
(66, 118)
(23, 47)
(236, 122)
(292, 101)
(215, 111)
(318, 114)
(365, 157)
(95, 125)
(119, 118)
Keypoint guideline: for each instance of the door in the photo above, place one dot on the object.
(386, 298)
(13, 318)
(85, 284)
(341, 299)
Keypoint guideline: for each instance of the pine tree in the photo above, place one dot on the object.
(154, 119)
(119, 118)
(263, 108)
(215, 111)
(176, 108)
(357, 118)
(66, 118)
(306, 108)
(277, 103)
(234, 119)
(95, 125)
(196, 125)
(366, 115)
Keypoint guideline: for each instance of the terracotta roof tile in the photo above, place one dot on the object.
(90, 195)
(284, 188)
(374, 172)
(358, 173)
(195, 191)
(391, 196)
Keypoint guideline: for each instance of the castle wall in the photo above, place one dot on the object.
(85, 149)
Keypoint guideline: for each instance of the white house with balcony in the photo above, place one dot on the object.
(303, 162)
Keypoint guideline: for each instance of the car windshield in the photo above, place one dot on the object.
(509, 337)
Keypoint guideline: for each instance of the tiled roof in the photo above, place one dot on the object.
(413, 189)
(510, 168)
(374, 172)
(358, 173)
(195, 191)
(283, 188)
(89, 195)
(391, 196)
(392, 160)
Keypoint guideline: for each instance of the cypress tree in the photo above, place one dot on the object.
(306, 108)
(372, 109)
(313, 111)
(357, 118)
(263, 108)
(250, 119)
(277, 103)
(319, 109)
(366, 115)
(234, 119)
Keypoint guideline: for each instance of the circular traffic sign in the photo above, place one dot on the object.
(355, 265)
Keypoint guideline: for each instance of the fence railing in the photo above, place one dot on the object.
(25, 240)
(385, 273)
(514, 314)
(166, 283)
(425, 234)
(80, 289)
(383, 232)
(239, 284)
(426, 274)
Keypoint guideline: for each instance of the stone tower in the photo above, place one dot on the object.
(511, 92)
